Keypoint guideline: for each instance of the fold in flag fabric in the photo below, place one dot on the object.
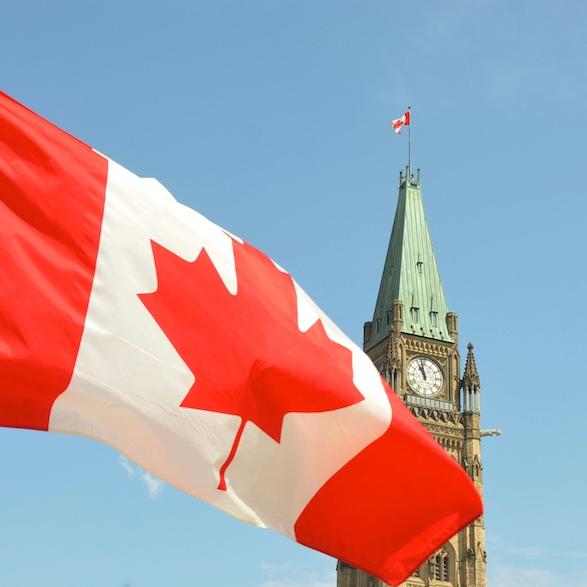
(403, 120)
(127, 317)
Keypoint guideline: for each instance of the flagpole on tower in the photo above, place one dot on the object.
(409, 142)
(397, 124)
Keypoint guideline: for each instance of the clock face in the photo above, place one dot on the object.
(425, 377)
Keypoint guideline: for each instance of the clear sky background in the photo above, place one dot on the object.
(272, 119)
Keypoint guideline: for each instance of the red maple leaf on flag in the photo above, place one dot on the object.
(246, 351)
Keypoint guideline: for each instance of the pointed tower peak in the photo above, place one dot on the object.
(471, 379)
(410, 273)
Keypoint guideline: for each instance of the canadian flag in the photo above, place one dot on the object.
(132, 319)
(403, 120)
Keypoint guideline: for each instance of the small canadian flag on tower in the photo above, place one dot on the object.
(403, 120)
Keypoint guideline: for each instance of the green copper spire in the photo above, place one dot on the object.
(410, 273)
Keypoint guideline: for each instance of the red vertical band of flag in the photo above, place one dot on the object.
(382, 511)
(52, 190)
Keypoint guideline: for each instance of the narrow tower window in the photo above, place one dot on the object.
(388, 316)
(434, 319)
(378, 322)
(438, 568)
(415, 314)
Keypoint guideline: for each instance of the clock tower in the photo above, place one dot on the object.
(413, 341)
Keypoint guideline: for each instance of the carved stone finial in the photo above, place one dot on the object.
(452, 324)
(471, 379)
(392, 360)
(392, 355)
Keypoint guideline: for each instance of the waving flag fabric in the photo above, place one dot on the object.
(132, 319)
(403, 120)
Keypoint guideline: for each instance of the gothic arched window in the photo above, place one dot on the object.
(441, 566)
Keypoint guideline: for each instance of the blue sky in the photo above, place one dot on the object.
(272, 118)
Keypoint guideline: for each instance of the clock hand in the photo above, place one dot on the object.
(422, 370)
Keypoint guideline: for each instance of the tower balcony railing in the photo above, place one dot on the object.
(429, 402)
